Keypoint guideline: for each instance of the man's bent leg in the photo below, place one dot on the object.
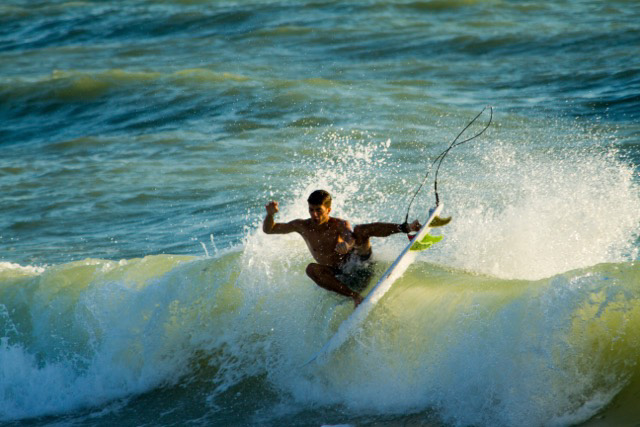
(363, 232)
(324, 276)
(376, 229)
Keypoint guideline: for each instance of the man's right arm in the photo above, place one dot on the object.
(270, 226)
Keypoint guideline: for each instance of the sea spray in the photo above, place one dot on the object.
(538, 215)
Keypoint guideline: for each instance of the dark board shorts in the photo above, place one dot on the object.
(356, 272)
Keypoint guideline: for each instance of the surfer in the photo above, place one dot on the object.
(341, 253)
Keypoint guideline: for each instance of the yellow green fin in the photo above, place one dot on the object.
(426, 242)
(439, 222)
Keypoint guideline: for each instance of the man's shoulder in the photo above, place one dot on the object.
(339, 222)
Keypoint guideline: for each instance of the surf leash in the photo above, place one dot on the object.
(442, 155)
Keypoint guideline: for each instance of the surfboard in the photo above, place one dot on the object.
(422, 240)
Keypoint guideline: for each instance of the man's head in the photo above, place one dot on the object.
(319, 206)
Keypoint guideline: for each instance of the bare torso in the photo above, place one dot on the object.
(330, 240)
(322, 240)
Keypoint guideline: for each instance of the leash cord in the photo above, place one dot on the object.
(442, 155)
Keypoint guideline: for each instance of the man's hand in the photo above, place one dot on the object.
(272, 207)
(342, 248)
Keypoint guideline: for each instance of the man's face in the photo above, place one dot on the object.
(319, 213)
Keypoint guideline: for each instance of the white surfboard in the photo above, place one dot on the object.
(397, 269)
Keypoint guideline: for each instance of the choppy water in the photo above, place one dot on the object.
(140, 140)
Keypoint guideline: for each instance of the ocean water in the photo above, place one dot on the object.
(140, 141)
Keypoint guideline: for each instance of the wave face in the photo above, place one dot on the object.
(237, 328)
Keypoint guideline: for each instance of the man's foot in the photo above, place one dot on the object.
(357, 299)
(415, 226)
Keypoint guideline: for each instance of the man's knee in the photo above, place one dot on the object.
(360, 234)
(312, 270)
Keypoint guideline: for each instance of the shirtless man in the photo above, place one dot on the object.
(332, 243)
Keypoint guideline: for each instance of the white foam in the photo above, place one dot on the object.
(537, 215)
(28, 269)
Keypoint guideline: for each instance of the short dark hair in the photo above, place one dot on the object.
(320, 197)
